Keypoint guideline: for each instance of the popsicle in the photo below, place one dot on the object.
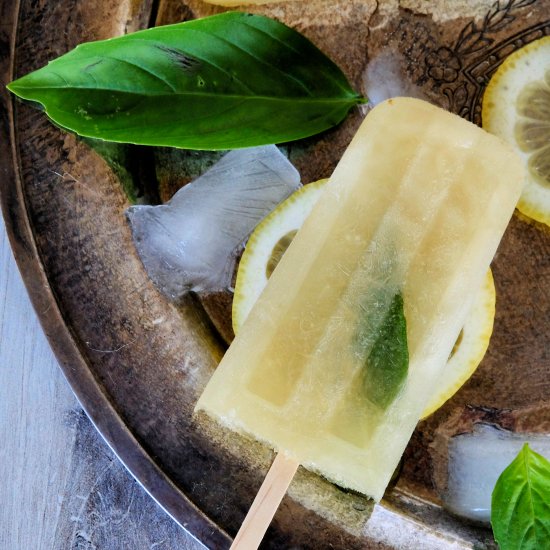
(336, 360)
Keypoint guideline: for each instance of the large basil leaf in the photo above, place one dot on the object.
(520, 508)
(227, 81)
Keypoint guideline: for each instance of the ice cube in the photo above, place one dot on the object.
(190, 242)
(476, 461)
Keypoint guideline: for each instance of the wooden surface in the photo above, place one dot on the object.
(62, 487)
(140, 363)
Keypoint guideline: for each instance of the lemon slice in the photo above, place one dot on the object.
(516, 107)
(470, 347)
(266, 245)
(272, 237)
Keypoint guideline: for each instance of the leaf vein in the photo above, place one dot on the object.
(143, 69)
(260, 61)
(323, 69)
(208, 95)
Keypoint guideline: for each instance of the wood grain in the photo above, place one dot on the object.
(64, 488)
(265, 504)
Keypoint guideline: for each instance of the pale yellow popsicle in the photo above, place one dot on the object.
(414, 210)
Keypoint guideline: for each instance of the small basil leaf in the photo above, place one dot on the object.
(520, 508)
(228, 81)
(119, 158)
(387, 364)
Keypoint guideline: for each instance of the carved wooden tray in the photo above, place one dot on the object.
(138, 363)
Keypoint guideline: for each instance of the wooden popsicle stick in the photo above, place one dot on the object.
(265, 504)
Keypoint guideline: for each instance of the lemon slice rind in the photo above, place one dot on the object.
(474, 342)
(251, 275)
(499, 114)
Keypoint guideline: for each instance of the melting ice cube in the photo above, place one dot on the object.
(386, 76)
(476, 460)
(190, 242)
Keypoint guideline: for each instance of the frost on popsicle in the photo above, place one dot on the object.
(190, 242)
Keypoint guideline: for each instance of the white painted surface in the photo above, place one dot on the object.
(61, 487)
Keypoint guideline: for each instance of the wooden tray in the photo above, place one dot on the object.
(138, 363)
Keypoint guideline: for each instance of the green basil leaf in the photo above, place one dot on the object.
(227, 81)
(118, 157)
(520, 508)
(387, 364)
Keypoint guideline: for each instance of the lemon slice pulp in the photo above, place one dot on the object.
(516, 107)
(273, 235)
